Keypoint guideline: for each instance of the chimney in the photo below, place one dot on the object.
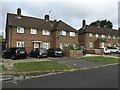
(98, 24)
(46, 17)
(19, 12)
(84, 23)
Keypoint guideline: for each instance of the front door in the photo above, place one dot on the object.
(36, 45)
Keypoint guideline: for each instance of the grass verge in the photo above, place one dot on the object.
(44, 66)
(2, 69)
(107, 60)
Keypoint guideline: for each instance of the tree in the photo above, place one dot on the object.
(1, 38)
(102, 23)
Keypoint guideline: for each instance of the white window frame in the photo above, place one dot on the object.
(109, 36)
(118, 37)
(102, 36)
(33, 31)
(61, 45)
(72, 34)
(90, 34)
(102, 45)
(46, 45)
(20, 44)
(91, 44)
(63, 33)
(96, 35)
(45, 32)
(20, 30)
(114, 37)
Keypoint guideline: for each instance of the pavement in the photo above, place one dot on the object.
(77, 63)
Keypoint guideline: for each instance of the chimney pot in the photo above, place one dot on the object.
(84, 23)
(19, 12)
(46, 17)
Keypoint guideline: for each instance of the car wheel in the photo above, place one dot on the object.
(13, 57)
(24, 57)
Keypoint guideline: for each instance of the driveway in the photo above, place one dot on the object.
(77, 62)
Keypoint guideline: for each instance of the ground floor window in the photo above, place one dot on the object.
(90, 44)
(36, 44)
(46, 45)
(61, 45)
(102, 45)
(20, 44)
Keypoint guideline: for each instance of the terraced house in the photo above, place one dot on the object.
(31, 32)
(92, 37)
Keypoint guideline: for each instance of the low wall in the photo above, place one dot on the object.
(99, 52)
(73, 53)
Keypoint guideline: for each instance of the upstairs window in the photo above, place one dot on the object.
(72, 34)
(102, 36)
(33, 31)
(109, 36)
(113, 37)
(63, 33)
(90, 34)
(96, 35)
(45, 32)
(20, 30)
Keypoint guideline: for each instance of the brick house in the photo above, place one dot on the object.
(31, 32)
(92, 37)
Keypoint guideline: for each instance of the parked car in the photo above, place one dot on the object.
(38, 52)
(55, 52)
(106, 50)
(14, 53)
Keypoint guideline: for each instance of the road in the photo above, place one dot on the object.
(103, 77)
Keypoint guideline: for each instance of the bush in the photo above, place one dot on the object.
(69, 47)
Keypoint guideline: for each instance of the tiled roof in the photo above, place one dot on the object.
(101, 30)
(31, 22)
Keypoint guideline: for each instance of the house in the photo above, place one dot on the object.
(31, 32)
(92, 37)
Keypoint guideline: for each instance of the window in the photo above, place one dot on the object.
(72, 34)
(102, 45)
(33, 31)
(90, 44)
(20, 30)
(46, 45)
(61, 45)
(45, 32)
(90, 34)
(109, 36)
(20, 44)
(113, 37)
(109, 45)
(118, 37)
(63, 33)
(102, 36)
(96, 35)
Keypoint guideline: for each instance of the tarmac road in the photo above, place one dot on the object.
(102, 77)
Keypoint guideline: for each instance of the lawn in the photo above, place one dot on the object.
(107, 60)
(45, 66)
(2, 68)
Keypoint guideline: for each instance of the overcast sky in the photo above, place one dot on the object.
(70, 11)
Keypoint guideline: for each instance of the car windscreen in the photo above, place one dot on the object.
(42, 49)
(58, 49)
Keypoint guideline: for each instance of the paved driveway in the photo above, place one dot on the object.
(77, 62)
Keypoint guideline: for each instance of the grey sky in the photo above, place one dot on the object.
(70, 11)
